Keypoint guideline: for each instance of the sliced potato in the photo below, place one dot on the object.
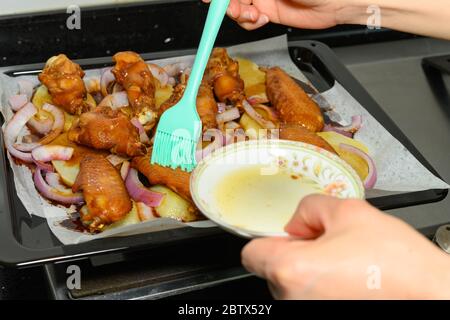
(68, 121)
(174, 206)
(254, 79)
(162, 94)
(356, 162)
(250, 126)
(90, 101)
(130, 219)
(41, 97)
(68, 170)
(335, 139)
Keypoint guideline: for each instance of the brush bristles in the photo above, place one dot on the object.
(174, 151)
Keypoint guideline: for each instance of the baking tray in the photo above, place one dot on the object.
(27, 241)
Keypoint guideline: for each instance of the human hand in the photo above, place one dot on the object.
(309, 14)
(347, 249)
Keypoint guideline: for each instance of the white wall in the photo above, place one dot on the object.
(8, 7)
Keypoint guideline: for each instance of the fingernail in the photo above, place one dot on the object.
(247, 15)
(264, 19)
(230, 12)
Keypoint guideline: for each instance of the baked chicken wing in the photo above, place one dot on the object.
(298, 133)
(134, 75)
(177, 180)
(292, 103)
(107, 129)
(206, 104)
(223, 75)
(104, 191)
(63, 78)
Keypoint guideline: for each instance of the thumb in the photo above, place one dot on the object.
(314, 216)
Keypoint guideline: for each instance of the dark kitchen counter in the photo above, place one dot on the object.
(152, 28)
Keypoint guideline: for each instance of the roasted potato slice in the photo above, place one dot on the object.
(174, 206)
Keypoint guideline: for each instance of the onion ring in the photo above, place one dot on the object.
(54, 194)
(266, 124)
(18, 101)
(53, 152)
(139, 193)
(371, 179)
(105, 79)
(159, 73)
(115, 100)
(13, 128)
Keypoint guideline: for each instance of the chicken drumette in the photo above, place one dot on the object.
(104, 192)
(206, 104)
(295, 132)
(177, 180)
(134, 75)
(63, 78)
(107, 129)
(222, 74)
(292, 103)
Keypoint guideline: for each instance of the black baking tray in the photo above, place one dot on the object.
(27, 241)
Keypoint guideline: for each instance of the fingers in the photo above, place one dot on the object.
(318, 213)
(260, 22)
(258, 255)
(245, 14)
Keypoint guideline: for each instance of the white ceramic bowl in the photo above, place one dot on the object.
(298, 159)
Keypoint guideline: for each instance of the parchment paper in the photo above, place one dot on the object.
(398, 169)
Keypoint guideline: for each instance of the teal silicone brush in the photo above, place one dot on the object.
(179, 128)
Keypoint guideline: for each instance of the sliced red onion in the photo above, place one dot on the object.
(18, 101)
(58, 123)
(54, 180)
(54, 194)
(117, 88)
(142, 134)
(106, 78)
(330, 128)
(174, 69)
(115, 160)
(273, 116)
(46, 167)
(266, 124)
(41, 126)
(56, 129)
(139, 193)
(49, 153)
(371, 178)
(172, 81)
(145, 212)
(26, 87)
(26, 147)
(29, 142)
(115, 100)
(125, 169)
(92, 84)
(13, 128)
(159, 73)
(354, 126)
(228, 115)
(255, 100)
(221, 107)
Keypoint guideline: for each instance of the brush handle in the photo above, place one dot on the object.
(216, 14)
